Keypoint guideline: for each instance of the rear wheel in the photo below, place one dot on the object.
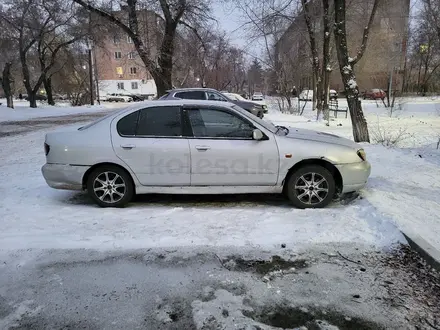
(311, 186)
(110, 186)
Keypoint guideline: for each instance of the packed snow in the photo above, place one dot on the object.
(22, 111)
(402, 193)
(404, 186)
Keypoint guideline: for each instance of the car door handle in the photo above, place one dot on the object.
(203, 148)
(128, 146)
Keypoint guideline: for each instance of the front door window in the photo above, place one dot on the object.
(213, 123)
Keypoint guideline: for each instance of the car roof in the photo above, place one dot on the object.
(180, 102)
(192, 89)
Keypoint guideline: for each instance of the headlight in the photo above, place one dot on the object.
(264, 107)
(362, 155)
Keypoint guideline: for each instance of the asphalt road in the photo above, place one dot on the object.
(206, 289)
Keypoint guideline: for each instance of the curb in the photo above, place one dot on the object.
(426, 250)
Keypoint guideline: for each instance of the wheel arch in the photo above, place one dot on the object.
(94, 167)
(321, 162)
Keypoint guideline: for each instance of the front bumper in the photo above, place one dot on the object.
(62, 176)
(354, 176)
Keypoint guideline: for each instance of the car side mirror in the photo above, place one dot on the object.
(257, 134)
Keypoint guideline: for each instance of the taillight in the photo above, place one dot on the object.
(46, 148)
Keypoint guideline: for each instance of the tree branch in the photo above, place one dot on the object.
(361, 51)
(140, 47)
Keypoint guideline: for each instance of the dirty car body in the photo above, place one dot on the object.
(201, 147)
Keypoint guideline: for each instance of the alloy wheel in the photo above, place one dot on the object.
(311, 188)
(109, 187)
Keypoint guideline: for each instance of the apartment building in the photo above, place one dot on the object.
(386, 51)
(118, 66)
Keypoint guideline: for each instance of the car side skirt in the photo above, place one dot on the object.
(211, 190)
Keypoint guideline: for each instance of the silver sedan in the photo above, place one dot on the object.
(201, 147)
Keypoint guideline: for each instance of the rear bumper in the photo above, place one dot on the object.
(61, 176)
(354, 176)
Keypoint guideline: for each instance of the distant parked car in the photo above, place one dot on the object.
(201, 147)
(306, 95)
(212, 95)
(38, 97)
(61, 97)
(259, 99)
(136, 97)
(375, 94)
(118, 98)
(103, 97)
(238, 97)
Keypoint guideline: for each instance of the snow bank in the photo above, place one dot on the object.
(405, 183)
(23, 112)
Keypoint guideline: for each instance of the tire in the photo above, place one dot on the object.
(103, 177)
(304, 197)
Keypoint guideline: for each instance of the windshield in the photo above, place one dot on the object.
(164, 96)
(267, 125)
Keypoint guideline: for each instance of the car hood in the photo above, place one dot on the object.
(306, 134)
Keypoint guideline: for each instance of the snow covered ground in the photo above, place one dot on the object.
(405, 182)
(22, 111)
(36, 216)
(403, 193)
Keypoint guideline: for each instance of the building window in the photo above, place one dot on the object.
(133, 70)
(131, 55)
(116, 40)
(118, 55)
(134, 85)
(129, 40)
(120, 85)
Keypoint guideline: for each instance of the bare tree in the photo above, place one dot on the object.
(320, 64)
(346, 67)
(174, 13)
(266, 23)
(40, 29)
(6, 81)
(316, 63)
(432, 14)
(7, 63)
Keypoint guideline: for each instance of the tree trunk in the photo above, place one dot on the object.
(7, 81)
(47, 82)
(163, 81)
(346, 67)
(316, 74)
(26, 79)
(325, 100)
(164, 76)
(419, 77)
(32, 99)
(360, 129)
(326, 69)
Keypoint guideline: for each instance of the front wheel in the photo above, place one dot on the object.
(110, 186)
(311, 186)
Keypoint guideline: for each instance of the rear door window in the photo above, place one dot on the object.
(160, 121)
(127, 125)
